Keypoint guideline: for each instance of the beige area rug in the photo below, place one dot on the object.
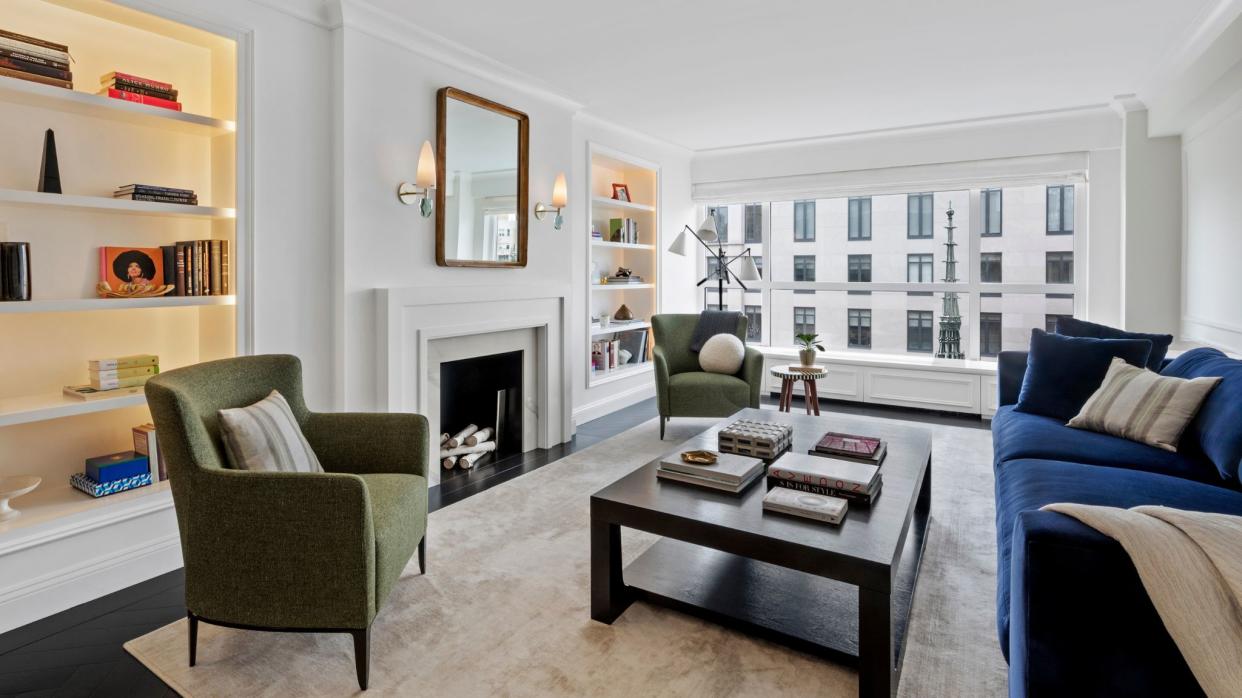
(504, 610)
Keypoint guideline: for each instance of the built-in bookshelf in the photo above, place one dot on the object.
(635, 248)
(104, 143)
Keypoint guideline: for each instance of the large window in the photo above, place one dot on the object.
(919, 268)
(860, 219)
(919, 330)
(721, 215)
(1061, 209)
(754, 322)
(989, 334)
(859, 330)
(1050, 321)
(1059, 267)
(804, 221)
(859, 268)
(754, 223)
(990, 267)
(804, 267)
(990, 206)
(919, 215)
(804, 321)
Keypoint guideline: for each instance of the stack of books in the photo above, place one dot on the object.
(198, 268)
(730, 473)
(631, 279)
(123, 375)
(150, 192)
(133, 88)
(27, 58)
(784, 500)
(113, 473)
(145, 444)
(832, 477)
(623, 230)
(864, 449)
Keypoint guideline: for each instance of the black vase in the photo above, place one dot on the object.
(49, 171)
(14, 271)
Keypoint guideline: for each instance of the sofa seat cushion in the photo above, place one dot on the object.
(702, 394)
(397, 503)
(1022, 435)
(1028, 484)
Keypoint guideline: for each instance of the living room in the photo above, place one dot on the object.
(538, 311)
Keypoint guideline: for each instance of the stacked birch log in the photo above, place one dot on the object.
(465, 448)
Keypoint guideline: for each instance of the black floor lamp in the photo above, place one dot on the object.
(706, 235)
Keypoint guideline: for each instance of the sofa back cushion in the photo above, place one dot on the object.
(1073, 327)
(1062, 372)
(1217, 429)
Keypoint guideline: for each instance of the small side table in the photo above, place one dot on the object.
(792, 374)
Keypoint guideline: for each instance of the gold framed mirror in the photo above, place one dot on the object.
(482, 171)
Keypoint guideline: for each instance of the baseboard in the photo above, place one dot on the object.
(1223, 336)
(612, 403)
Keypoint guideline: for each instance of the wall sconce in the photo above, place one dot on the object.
(560, 198)
(424, 182)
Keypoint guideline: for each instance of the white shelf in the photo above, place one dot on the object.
(38, 408)
(104, 204)
(74, 305)
(616, 374)
(36, 94)
(622, 245)
(605, 202)
(55, 500)
(619, 287)
(597, 331)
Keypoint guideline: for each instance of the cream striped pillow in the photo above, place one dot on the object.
(266, 436)
(1140, 405)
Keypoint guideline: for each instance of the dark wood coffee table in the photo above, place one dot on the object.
(842, 592)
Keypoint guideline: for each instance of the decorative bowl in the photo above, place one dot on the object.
(699, 457)
(12, 488)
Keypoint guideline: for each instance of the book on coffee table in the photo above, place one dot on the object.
(729, 468)
(806, 505)
(707, 482)
(864, 449)
(833, 477)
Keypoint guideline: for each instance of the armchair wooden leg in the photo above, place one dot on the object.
(663, 421)
(193, 619)
(362, 655)
(422, 554)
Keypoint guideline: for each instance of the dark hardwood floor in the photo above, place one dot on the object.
(79, 652)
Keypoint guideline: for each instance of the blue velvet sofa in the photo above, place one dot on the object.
(1072, 614)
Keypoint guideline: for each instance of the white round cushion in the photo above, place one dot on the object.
(722, 353)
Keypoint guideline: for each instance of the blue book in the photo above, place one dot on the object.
(117, 466)
(82, 482)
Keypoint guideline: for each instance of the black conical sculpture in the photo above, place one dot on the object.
(49, 171)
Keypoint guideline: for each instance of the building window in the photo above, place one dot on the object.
(713, 268)
(990, 204)
(753, 223)
(721, 216)
(804, 221)
(919, 215)
(1061, 209)
(804, 267)
(1050, 321)
(754, 322)
(919, 268)
(989, 334)
(758, 263)
(860, 219)
(860, 267)
(717, 306)
(919, 330)
(859, 320)
(1059, 267)
(990, 267)
(804, 320)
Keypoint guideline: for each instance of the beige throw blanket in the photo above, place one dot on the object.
(1191, 566)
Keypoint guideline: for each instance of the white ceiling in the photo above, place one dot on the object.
(708, 74)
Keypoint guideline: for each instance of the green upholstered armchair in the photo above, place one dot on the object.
(683, 389)
(295, 552)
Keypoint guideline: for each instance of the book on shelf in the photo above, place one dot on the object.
(140, 99)
(622, 280)
(34, 77)
(81, 481)
(120, 362)
(709, 483)
(35, 68)
(864, 449)
(820, 474)
(202, 268)
(151, 189)
(88, 393)
(118, 373)
(31, 58)
(146, 444)
(116, 466)
(729, 468)
(140, 89)
(113, 76)
(806, 505)
(114, 383)
(33, 41)
(623, 230)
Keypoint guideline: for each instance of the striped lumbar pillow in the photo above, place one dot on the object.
(1143, 406)
(266, 436)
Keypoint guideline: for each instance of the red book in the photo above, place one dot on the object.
(153, 84)
(142, 99)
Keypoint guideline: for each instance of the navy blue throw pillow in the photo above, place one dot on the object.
(1217, 429)
(1062, 372)
(1073, 327)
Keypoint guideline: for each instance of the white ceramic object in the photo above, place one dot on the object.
(12, 488)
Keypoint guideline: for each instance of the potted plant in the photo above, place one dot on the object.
(809, 343)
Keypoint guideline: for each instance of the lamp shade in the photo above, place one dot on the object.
(748, 270)
(560, 192)
(426, 176)
(679, 244)
(707, 230)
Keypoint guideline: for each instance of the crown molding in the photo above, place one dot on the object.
(1199, 73)
(321, 13)
(1124, 104)
(588, 117)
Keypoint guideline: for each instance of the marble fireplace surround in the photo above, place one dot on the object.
(421, 327)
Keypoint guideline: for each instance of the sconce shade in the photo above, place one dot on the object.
(748, 271)
(707, 230)
(560, 192)
(426, 176)
(679, 244)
